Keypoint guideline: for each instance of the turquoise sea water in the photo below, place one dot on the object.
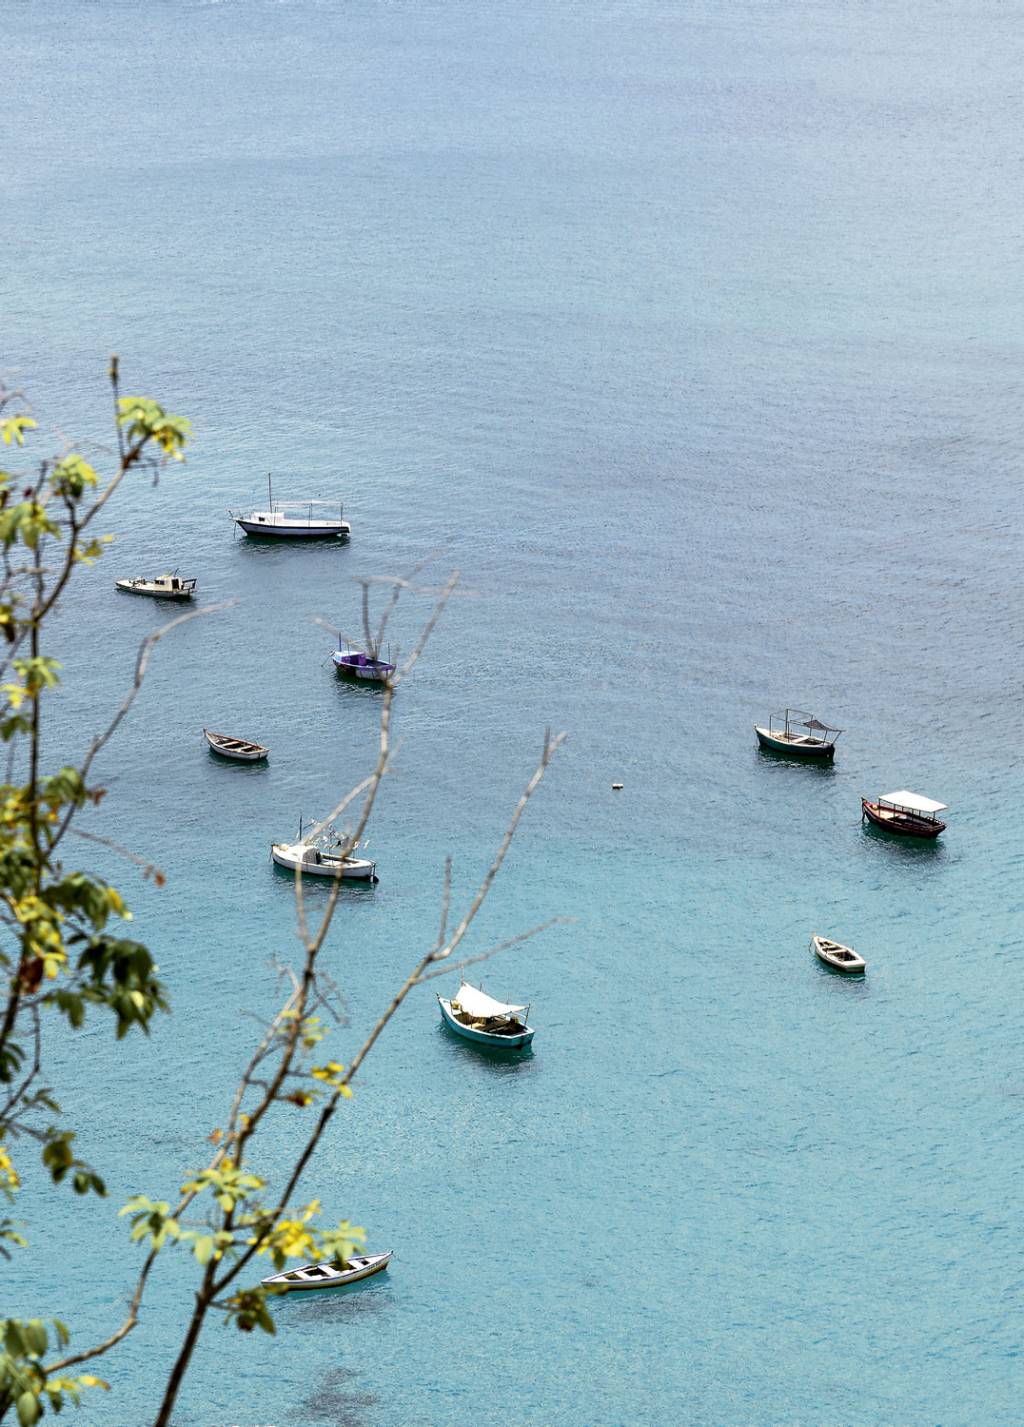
(690, 333)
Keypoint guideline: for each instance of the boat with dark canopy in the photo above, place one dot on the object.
(905, 813)
(799, 734)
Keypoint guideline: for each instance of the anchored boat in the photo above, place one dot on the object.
(239, 748)
(164, 587)
(356, 664)
(327, 1275)
(905, 813)
(480, 1018)
(838, 956)
(297, 520)
(320, 855)
(800, 734)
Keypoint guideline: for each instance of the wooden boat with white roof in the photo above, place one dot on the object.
(327, 1275)
(799, 734)
(838, 956)
(478, 1017)
(905, 813)
(239, 748)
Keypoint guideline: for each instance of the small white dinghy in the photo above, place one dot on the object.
(239, 748)
(164, 587)
(327, 1275)
(839, 957)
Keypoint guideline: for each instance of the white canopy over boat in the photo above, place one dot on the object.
(913, 802)
(480, 1006)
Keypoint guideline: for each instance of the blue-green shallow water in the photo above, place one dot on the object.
(691, 334)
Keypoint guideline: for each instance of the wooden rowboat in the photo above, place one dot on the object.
(327, 1275)
(239, 748)
(838, 956)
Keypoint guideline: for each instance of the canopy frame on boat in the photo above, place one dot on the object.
(903, 800)
(782, 724)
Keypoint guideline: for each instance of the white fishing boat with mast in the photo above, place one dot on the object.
(295, 520)
(318, 853)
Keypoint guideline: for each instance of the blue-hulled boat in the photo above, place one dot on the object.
(357, 664)
(478, 1017)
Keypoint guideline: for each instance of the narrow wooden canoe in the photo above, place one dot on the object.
(312, 1276)
(838, 956)
(239, 748)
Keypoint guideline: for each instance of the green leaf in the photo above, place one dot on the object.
(29, 1410)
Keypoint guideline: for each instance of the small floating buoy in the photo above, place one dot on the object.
(617, 787)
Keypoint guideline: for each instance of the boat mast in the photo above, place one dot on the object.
(270, 494)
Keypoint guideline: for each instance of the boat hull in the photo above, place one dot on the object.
(815, 752)
(377, 1264)
(258, 754)
(856, 967)
(367, 673)
(900, 825)
(127, 588)
(482, 1037)
(336, 530)
(358, 870)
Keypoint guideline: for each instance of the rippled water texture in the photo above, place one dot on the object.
(690, 333)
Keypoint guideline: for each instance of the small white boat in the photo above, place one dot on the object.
(480, 1018)
(239, 748)
(164, 587)
(839, 957)
(327, 1275)
(318, 856)
(298, 520)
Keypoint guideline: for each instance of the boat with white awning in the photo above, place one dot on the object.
(478, 1017)
(905, 813)
(295, 520)
(327, 1275)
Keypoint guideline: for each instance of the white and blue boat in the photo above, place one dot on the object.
(357, 664)
(478, 1017)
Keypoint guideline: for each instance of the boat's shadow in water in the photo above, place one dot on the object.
(237, 765)
(501, 1059)
(813, 767)
(903, 846)
(327, 1305)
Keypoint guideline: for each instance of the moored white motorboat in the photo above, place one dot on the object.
(318, 855)
(163, 587)
(296, 520)
(239, 748)
(327, 1275)
(838, 956)
(480, 1018)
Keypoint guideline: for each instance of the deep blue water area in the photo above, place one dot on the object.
(690, 333)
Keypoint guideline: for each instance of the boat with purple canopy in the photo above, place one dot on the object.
(357, 664)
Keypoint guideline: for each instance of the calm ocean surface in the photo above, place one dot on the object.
(691, 333)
